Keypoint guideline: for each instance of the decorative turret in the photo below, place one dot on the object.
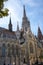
(10, 25)
(39, 33)
(25, 22)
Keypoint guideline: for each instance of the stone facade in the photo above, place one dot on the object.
(19, 47)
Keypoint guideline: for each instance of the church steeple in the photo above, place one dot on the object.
(25, 21)
(17, 26)
(10, 25)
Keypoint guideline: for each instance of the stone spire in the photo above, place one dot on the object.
(10, 25)
(25, 21)
(39, 33)
(24, 13)
(17, 26)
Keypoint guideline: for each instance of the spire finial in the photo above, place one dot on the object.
(24, 11)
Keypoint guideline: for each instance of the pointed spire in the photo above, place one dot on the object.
(10, 25)
(10, 21)
(25, 21)
(24, 13)
(39, 33)
(17, 26)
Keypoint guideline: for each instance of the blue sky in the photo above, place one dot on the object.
(34, 11)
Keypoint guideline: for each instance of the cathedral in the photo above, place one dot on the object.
(22, 46)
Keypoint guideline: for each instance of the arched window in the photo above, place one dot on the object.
(4, 63)
(9, 50)
(24, 60)
(17, 49)
(12, 49)
(0, 51)
(3, 50)
(31, 48)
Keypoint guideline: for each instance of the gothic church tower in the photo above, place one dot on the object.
(25, 22)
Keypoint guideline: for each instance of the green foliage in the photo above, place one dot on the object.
(3, 12)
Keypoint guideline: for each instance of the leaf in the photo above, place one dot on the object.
(1, 15)
(3, 12)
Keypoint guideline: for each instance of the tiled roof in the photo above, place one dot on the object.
(8, 32)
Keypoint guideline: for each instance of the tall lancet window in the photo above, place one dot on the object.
(9, 50)
(3, 50)
(31, 48)
(13, 50)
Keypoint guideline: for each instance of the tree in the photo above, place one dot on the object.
(3, 12)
